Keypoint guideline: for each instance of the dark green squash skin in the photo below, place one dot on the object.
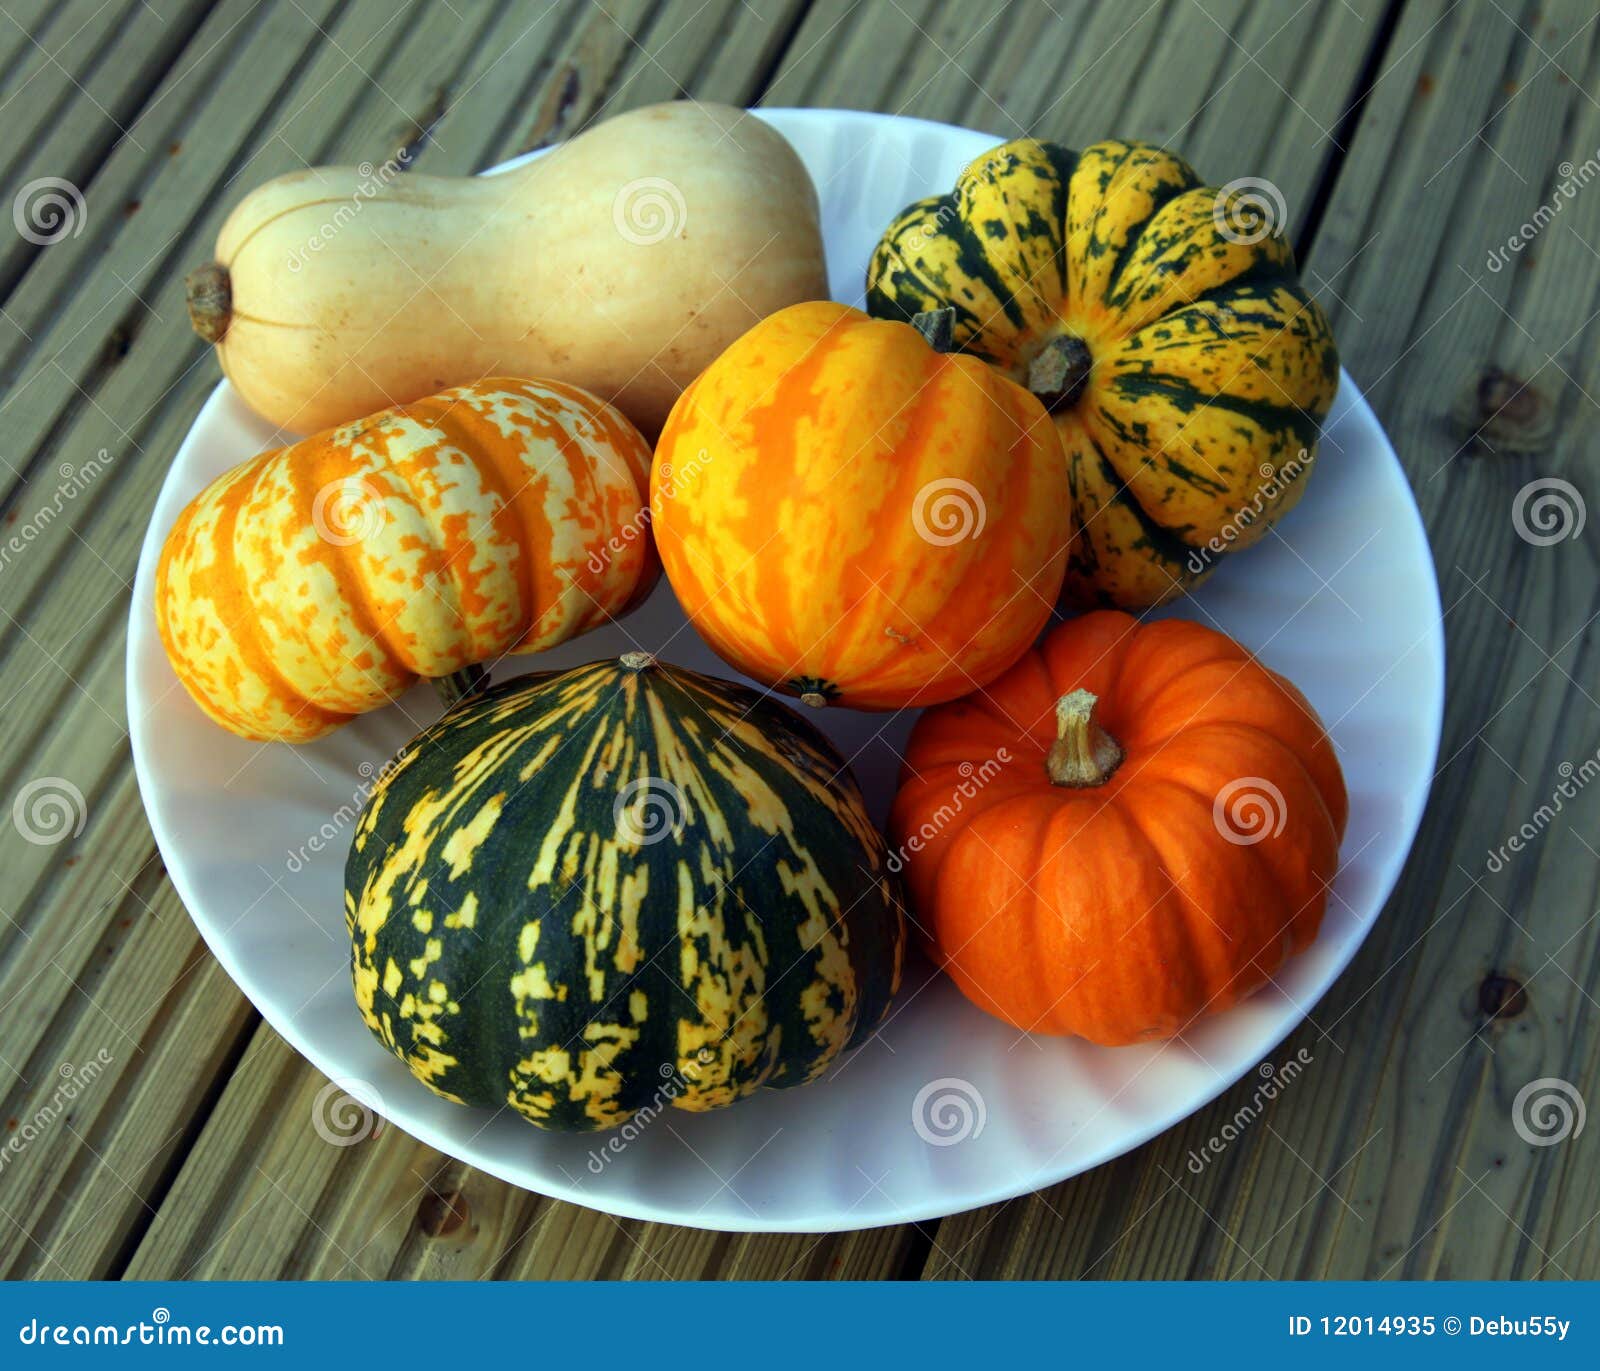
(586, 892)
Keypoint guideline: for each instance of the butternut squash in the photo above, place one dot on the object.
(623, 262)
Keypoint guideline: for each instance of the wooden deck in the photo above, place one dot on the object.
(1410, 138)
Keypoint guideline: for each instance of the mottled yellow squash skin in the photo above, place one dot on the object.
(1210, 367)
(320, 580)
(615, 888)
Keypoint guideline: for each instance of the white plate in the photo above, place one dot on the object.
(1345, 603)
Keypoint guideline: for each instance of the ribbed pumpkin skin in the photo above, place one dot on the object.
(789, 487)
(516, 940)
(1123, 911)
(320, 580)
(1212, 366)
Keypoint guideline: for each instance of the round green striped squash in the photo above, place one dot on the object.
(624, 885)
(1162, 323)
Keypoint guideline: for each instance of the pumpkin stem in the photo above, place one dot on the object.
(1060, 371)
(1083, 754)
(210, 292)
(937, 327)
(458, 685)
(637, 661)
(813, 692)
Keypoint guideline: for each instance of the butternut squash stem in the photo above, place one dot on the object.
(938, 328)
(210, 296)
(1059, 372)
(458, 685)
(1083, 754)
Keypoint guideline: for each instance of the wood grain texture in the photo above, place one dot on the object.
(197, 1150)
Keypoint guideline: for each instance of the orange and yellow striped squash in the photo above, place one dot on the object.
(1160, 320)
(851, 516)
(320, 580)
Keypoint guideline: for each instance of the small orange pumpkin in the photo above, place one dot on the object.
(320, 580)
(852, 516)
(1135, 826)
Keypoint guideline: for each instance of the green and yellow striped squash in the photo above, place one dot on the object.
(588, 892)
(1160, 320)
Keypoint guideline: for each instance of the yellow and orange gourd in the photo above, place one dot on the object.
(318, 581)
(851, 516)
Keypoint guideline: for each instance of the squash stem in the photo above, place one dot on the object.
(1059, 372)
(937, 327)
(458, 685)
(210, 298)
(1083, 754)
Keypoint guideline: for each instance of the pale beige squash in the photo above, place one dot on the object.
(622, 262)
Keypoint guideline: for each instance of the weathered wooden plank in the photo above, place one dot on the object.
(1468, 138)
(77, 92)
(132, 997)
(252, 1184)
